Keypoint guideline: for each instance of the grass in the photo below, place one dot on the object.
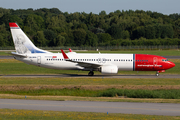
(71, 88)
(122, 82)
(77, 98)
(5, 53)
(12, 114)
(93, 87)
(162, 94)
(11, 66)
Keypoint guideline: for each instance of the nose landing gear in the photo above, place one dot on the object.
(157, 73)
(91, 73)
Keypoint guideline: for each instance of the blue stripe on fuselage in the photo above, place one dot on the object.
(133, 62)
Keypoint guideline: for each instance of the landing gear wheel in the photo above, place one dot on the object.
(157, 73)
(91, 73)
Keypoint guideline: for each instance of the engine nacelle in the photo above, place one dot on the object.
(109, 69)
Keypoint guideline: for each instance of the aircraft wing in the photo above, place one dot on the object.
(80, 63)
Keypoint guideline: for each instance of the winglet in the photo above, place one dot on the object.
(70, 50)
(64, 55)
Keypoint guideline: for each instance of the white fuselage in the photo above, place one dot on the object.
(57, 61)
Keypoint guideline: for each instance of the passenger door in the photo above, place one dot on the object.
(39, 60)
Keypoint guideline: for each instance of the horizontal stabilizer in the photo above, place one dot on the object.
(18, 55)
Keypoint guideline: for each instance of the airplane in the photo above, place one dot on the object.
(28, 53)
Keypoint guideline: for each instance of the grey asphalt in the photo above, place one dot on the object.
(168, 57)
(95, 76)
(166, 109)
(6, 57)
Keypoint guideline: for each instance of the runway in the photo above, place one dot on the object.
(166, 109)
(95, 76)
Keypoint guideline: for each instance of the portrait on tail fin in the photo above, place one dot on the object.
(23, 44)
(19, 45)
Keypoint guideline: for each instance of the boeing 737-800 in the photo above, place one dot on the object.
(28, 53)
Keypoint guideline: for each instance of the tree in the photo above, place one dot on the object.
(79, 36)
(177, 28)
(55, 11)
(115, 31)
(102, 12)
(104, 37)
(39, 39)
(91, 19)
(150, 32)
(51, 37)
(2, 42)
(167, 31)
(6, 18)
(34, 22)
(125, 34)
(60, 40)
(92, 39)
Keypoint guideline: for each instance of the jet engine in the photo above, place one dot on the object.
(109, 69)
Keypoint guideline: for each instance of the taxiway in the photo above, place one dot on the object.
(167, 109)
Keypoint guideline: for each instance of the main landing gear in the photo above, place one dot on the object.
(91, 73)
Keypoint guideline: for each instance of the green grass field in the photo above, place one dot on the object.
(150, 94)
(93, 87)
(14, 114)
(90, 81)
(153, 52)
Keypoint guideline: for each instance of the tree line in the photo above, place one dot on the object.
(51, 27)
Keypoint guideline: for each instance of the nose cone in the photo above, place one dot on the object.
(171, 64)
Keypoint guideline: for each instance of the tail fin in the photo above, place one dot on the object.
(23, 44)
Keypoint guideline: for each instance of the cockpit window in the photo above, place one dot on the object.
(164, 60)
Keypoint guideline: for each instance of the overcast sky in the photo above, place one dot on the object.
(96, 6)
